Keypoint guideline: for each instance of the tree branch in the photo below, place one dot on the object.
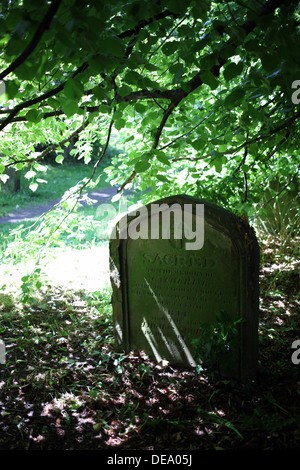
(248, 142)
(165, 117)
(142, 23)
(101, 156)
(59, 88)
(39, 99)
(244, 173)
(44, 25)
(195, 82)
(172, 95)
(283, 189)
(78, 191)
(52, 147)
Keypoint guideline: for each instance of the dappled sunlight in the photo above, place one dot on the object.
(86, 269)
(65, 386)
(68, 268)
(106, 107)
(146, 330)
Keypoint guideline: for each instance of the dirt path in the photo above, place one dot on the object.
(33, 211)
(86, 269)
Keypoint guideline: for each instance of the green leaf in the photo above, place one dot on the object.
(175, 68)
(114, 46)
(237, 34)
(232, 70)
(100, 93)
(227, 51)
(33, 115)
(151, 67)
(198, 144)
(73, 89)
(162, 158)
(70, 107)
(38, 166)
(124, 90)
(218, 165)
(140, 167)
(4, 178)
(235, 96)
(163, 178)
(100, 63)
(65, 39)
(252, 45)
(119, 124)
(30, 174)
(177, 6)
(26, 71)
(245, 168)
(170, 47)
(11, 89)
(144, 48)
(140, 108)
(59, 158)
(222, 148)
(132, 78)
(105, 109)
(2, 168)
(33, 187)
(207, 61)
(209, 79)
(268, 62)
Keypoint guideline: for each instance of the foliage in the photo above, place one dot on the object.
(30, 282)
(279, 214)
(65, 387)
(217, 347)
(196, 95)
(58, 179)
(200, 98)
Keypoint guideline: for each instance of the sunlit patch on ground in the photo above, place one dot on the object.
(86, 269)
(80, 269)
(64, 386)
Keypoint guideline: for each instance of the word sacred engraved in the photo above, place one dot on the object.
(171, 259)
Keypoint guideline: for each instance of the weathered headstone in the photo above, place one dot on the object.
(166, 285)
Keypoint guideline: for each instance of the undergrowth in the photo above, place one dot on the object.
(64, 385)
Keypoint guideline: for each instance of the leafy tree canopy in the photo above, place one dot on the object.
(197, 94)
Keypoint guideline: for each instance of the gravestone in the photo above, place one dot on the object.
(175, 265)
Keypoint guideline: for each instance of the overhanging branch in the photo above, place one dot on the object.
(52, 147)
(44, 25)
(26, 104)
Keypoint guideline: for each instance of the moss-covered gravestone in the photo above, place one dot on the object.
(178, 265)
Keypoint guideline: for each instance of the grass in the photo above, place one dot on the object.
(60, 178)
(35, 250)
(65, 386)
